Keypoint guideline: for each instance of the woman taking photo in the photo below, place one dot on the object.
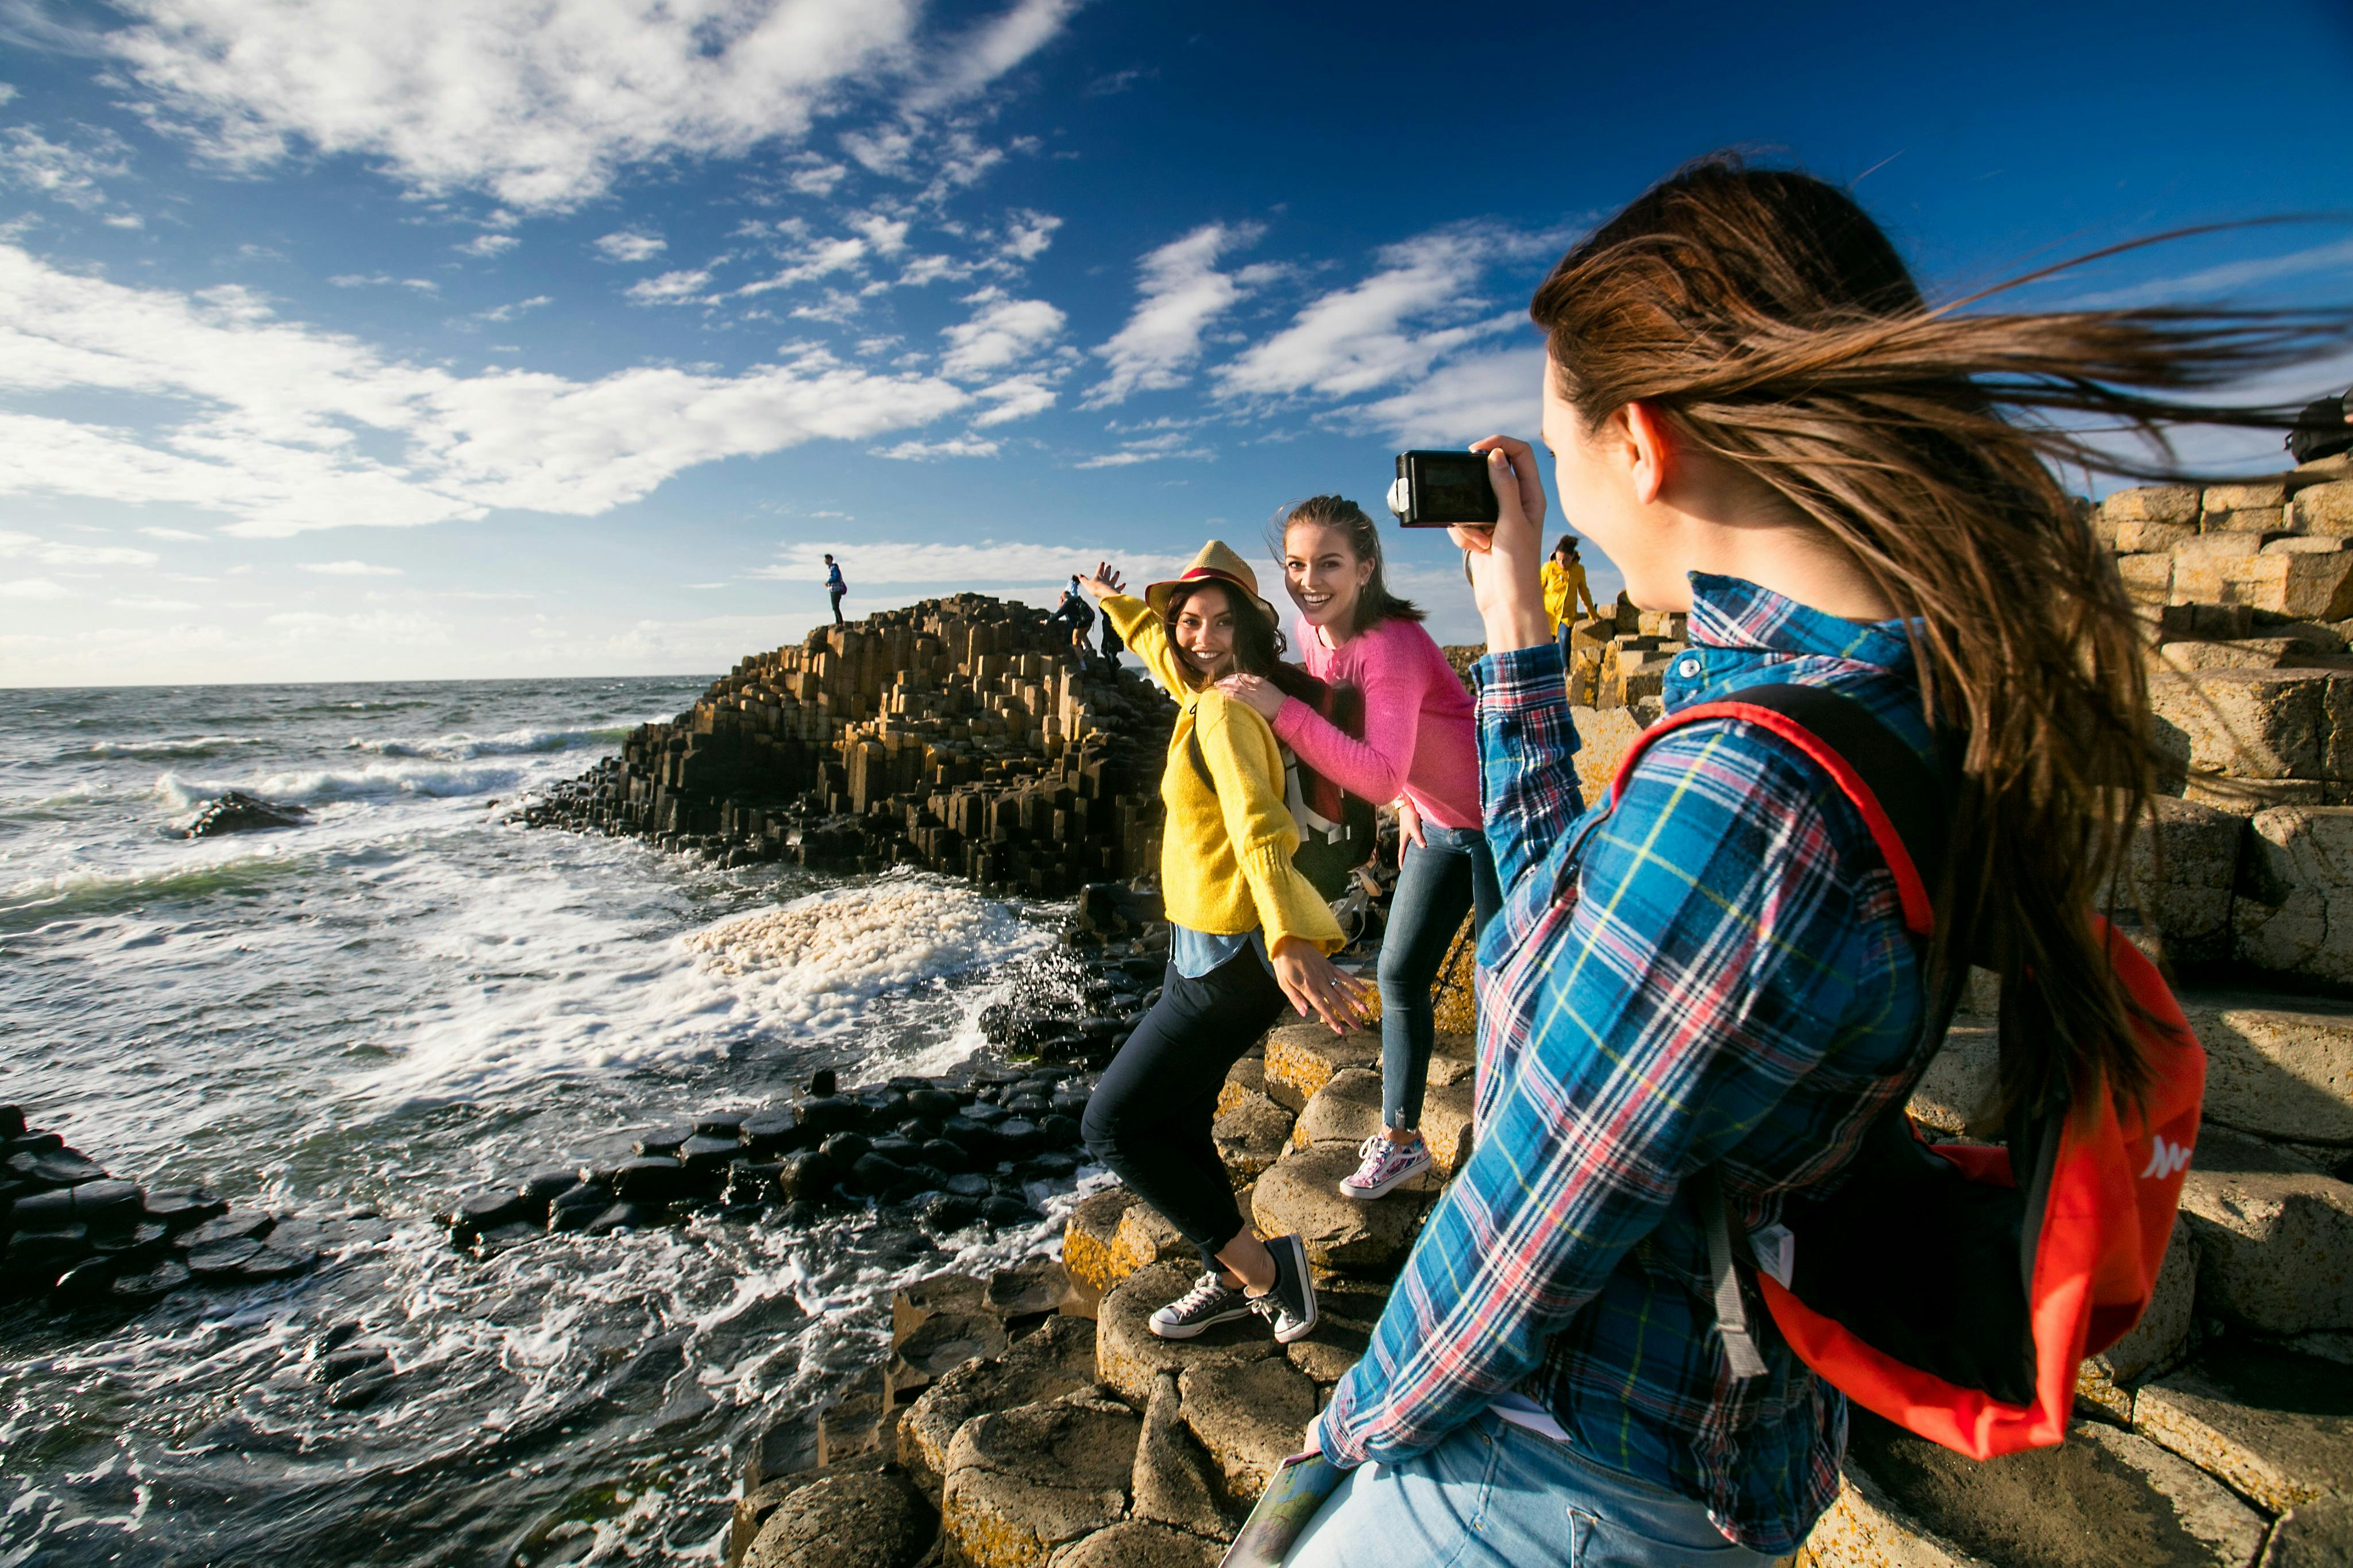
(1419, 749)
(1710, 985)
(1248, 934)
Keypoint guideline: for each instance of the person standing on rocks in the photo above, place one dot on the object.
(1707, 986)
(1419, 749)
(1565, 588)
(1249, 935)
(835, 587)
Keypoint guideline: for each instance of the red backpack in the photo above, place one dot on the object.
(1930, 1284)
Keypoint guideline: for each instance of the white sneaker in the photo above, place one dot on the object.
(1209, 1302)
(1385, 1165)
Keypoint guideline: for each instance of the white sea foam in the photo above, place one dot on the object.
(375, 781)
(462, 747)
(190, 747)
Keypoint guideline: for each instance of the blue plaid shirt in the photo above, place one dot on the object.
(1716, 973)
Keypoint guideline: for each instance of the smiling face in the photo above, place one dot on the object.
(1204, 631)
(1325, 578)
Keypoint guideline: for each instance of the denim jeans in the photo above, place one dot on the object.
(1450, 874)
(1492, 1495)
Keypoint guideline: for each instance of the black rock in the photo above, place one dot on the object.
(769, 1131)
(987, 1095)
(949, 1211)
(988, 1115)
(243, 1224)
(1046, 1078)
(270, 1263)
(220, 1259)
(908, 1084)
(1070, 1102)
(1000, 1077)
(884, 1106)
(751, 1183)
(35, 1257)
(898, 1150)
(625, 1216)
(707, 1155)
(33, 1144)
(979, 1143)
(824, 1114)
(661, 1145)
(480, 1212)
(352, 1359)
(359, 1392)
(333, 1337)
(1053, 1166)
(43, 1210)
(996, 1024)
(968, 1185)
(237, 812)
(872, 1176)
(61, 1168)
(1029, 1105)
(1003, 1210)
(12, 1122)
(542, 1188)
(575, 1207)
(728, 1124)
(821, 1082)
(152, 1284)
(800, 1214)
(934, 1105)
(944, 1156)
(806, 1176)
(1055, 1131)
(845, 1148)
(183, 1209)
(87, 1282)
(106, 1203)
(1017, 1137)
(132, 1245)
(651, 1180)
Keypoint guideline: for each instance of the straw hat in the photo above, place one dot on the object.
(1215, 564)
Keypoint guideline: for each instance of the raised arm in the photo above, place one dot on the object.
(1374, 768)
(1147, 637)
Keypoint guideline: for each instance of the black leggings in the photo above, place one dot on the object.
(1150, 1117)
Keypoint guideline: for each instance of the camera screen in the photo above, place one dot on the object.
(1453, 487)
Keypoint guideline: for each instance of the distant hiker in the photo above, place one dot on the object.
(1111, 643)
(1564, 588)
(1708, 999)
(1418, 748)
(1075, 615)
(835, 586)
(1247, 935)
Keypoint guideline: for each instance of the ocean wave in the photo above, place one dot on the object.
(95, 889)
(192, 747)
(376, 781)
(462, 747)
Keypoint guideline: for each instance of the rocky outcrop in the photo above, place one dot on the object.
(237, 812)
(963, 735)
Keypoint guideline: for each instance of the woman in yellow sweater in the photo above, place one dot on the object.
(1247, 935)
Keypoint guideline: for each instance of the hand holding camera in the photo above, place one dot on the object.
(1490, 500)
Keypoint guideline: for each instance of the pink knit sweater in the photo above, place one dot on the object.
(1419, 738)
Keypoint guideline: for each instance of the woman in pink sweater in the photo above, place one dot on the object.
(1420, 749)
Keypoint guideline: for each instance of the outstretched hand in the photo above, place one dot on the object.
(1104, 583)
(1317, 988)
(1504, 561)
(1258, 691)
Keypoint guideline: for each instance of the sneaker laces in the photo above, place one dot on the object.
(1205, 1293)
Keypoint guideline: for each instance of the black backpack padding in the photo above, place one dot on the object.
(2320, 431)
(1337, 832)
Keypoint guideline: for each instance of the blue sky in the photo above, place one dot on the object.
(348, 340)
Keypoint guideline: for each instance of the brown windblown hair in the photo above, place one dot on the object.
(1375, 604)
(1771, 324)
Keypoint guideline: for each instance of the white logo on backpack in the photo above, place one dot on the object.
(2166, 1160)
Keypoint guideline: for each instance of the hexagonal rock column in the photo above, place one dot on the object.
(2277, 1426)
(2278, 1066)
(1302, 1057)
(1300, 1195)
(1133, 1543)
(1023, 1482)
(875, 1521)
(1247, 1076)
(936, 1346)
(1058, 1358)
(1146, 1236)
(1249, 1418)
(1089, 1235)
(2156, 1344)
(2317, 1534)
(1130, 1357)
(1251, 1135)
(2274, 1237)
(1175, 1483)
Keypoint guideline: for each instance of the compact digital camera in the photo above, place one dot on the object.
(1443, 490)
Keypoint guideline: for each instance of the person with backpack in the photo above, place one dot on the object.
(1075, 615)
(834, 586)
(1708, 999)
(1414, 745)
(1249, 936)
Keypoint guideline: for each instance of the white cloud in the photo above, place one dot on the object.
(631, 244)
(510, 312)
(1459, 401)
(815, 177)
(1001, 332)
(987, 561)
(1016, 398)
(1027, 235)
(669, 289)
(25, 547)
(349, 569)
(6, 92)
(1183, 293)
(928, 451)
(176, 534)
(2212, 282)
(813, 260)
(69, 175)
(148, 602)
(885, 235)
(34, 588)
(541, 105)
(382, 280)
(489, 245)
(1149, 450)
(1364, 337)
(260, 419)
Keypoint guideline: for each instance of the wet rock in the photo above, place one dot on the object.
(821, 1084)
(35, 1258)
(820, 1116)
(872, 1521)
(542, 1188)
(708, 1155)
(1129, 1356)
(977, 1140)
(237, 812)
(943, 1155)
(487, 1211)
(150, 1284)
(59, 1168)
(938, 1346)
(2276, 1426)
(662, 1145)
(1090, 1235)
(751, 1183)
(649, 1180)
(86, 1283)
(1022, 1482)
(626, 1215)
(361, 1390)
(132, 1247)
(276, 1261)
(219, 1260)
(578, 1206)
(728, 1124)
(12, 1122)
(1059, 1358)
(899, 1150)
(769, 1132)
(807, 1177)
(846, 1148)
(243, 1224)
(93, 1203)
(350, 1359)
(1174, 1481)
(1007, 1210)
(1249, 1418)
(1054, 1165)
(183, 1209)
(934, 1105)
(1300, 1195)
(872, 1176)
(1017, 1137)
(944, 1212)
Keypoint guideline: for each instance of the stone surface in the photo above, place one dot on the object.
(1244, 1078)
(876, 1521)
(2278, 1066)
(1174, 1482)
(1088, 1233)
(1058, 1358)
(2103, 1499)
(2274, 1237)
(1137, 1544)
(2315, 1535)
(2152, 503)
(2323, 509)
(1300, 1195)
(1251, 1134)
(912, 1304)
(1958, 1089)
(2295, 915)
(2255, 723)
(1864, 1528)
(1130, 1357)
(938, 1346)
(1446, 1123)
(1249, 1418)
(2156, 1344)
(1348, 1110)
(1145, 1237)
(2276, 1426)
(1302, 1057)
(1022, 1482)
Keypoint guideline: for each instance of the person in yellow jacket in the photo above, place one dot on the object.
(1249, 935)
(1562, 581)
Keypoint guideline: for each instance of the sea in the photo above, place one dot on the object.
(401, 1000)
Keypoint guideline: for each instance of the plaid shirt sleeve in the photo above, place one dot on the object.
(1664, 979)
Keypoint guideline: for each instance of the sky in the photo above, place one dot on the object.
(343, 339)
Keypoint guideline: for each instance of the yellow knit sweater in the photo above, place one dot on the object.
(1225, 853)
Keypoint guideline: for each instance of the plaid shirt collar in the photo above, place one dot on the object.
(1742, 634)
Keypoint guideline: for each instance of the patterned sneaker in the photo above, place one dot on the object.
(1386, 1164)
(1291, 1305)
(1209, 1302)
